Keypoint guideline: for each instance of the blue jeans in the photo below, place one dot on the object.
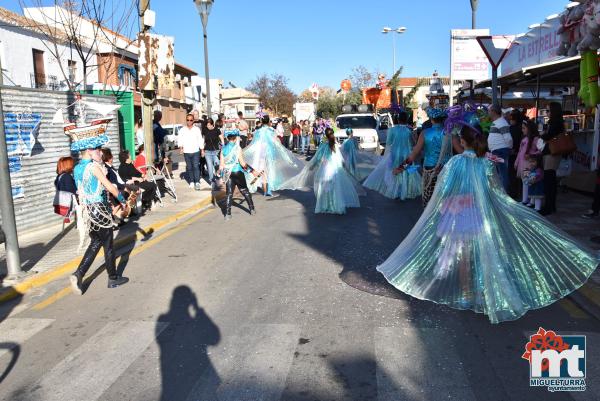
(502, 168)
(212, 158)
(192, 166)
(304, 144)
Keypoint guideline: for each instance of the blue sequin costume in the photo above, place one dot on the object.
(476, 248)
(335, 189)
(407, 184)
(266, 154)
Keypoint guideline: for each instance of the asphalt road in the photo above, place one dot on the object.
(284, 305)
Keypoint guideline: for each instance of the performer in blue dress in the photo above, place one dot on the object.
(96, 216)
(358, 163)
(335, 189)
(475, 248)
(405, 184)
(233, 169)
(274, 163)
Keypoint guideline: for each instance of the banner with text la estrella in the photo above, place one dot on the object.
(537, 46)
(468, 61)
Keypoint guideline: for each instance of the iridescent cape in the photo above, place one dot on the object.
(335, 189)
(476, 248)
(358, 163)
(266, 154)
(407, 184)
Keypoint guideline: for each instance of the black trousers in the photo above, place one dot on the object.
(149, 193)
(100, 238)
(286, 142)
(550, 189)
(237, 179)
(243, 141)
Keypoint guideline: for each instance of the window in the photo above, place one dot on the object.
(127, 76)
(356, 122)
(39, 73)
(72, 71)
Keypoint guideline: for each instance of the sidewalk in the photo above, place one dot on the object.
(45, 250)
(571, 205)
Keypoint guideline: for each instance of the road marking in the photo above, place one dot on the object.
(90, 370)
(572, 309)
(405, 371)
(251, 365)
(15, 331)
(136, 250)
(41, 279)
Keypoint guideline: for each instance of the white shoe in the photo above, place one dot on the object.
(192, 185)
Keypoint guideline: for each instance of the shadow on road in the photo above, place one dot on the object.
(12, 348)
(183, 348)
(359, 240)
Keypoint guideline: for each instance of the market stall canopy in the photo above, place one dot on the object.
(563, 72)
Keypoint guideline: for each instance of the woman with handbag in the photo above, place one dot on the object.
(65, 199)
(556, 127)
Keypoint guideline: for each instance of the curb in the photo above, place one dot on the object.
(43, 278)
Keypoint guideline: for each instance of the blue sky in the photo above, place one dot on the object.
(322, 40)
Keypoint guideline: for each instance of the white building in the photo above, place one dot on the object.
(198, 90)
(28, 57)
(234, 100)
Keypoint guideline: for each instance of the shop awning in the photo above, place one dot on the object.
(562, 72)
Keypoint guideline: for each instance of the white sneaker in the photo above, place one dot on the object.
(192, 185)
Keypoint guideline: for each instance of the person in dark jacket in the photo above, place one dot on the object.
(159, 134)
(130, 174)
(556, 126)
(515, 119)
(65, 199)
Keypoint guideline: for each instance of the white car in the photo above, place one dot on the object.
(364, 127)
(171, 138)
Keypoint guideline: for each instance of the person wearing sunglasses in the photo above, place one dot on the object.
(191, 145)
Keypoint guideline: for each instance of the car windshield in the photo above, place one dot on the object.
(356, 122)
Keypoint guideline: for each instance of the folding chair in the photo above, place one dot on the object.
(155, 175)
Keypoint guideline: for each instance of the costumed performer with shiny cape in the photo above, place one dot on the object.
(271, 159)
(476, 248)
(359, 164)
(335, 189)
(406, 184)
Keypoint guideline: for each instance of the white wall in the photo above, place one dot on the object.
(16, 50)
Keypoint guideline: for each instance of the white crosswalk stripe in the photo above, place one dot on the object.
(251, 365)
(15, 331)
(401, 354)
(90, 369)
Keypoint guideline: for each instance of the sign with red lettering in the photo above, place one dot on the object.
(537, 46)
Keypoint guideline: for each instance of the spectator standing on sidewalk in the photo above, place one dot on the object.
(305, 137)
(139, 133)
(159, 134)
(287, 134)
(243, 127)
(279, 131)
(527, 147)
(595, 210)
(500, 142)
(556, 126)
(65, 199)
(296, 130)
(213, 142)
(516, 132)
(191, 145)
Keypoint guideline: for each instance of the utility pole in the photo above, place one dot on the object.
(474, 5)
(204, 17)
(147, 97)
(7, 207)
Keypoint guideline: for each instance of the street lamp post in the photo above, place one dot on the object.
(474, 4)
(400, 30)
(204, 7)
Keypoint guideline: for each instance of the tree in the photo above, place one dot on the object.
(84, 27)
(274, 93)
(361, 78)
